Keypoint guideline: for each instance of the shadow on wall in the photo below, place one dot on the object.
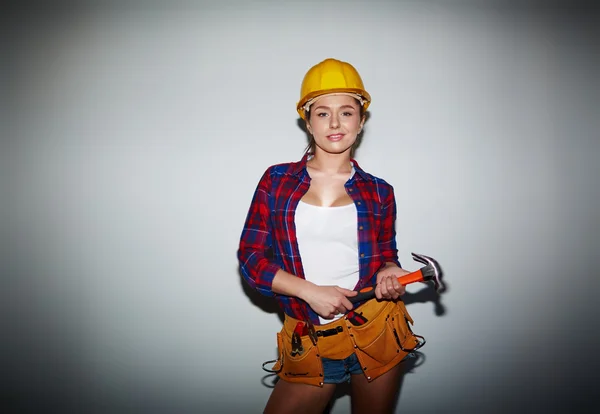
(427, 294)
(265, 303)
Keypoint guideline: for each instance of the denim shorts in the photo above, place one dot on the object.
(337, 371)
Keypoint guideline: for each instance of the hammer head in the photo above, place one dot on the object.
(431, 271)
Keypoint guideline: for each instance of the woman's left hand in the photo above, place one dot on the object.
(388, 286)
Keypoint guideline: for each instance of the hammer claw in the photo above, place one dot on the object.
(432, 270)
(420, 258)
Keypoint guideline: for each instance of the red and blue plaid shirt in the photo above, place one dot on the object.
(268, 241)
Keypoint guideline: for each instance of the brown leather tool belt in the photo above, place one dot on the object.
(380, 342)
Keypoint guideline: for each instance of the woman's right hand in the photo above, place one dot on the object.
(328, 301)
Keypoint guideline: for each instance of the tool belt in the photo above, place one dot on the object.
(378, 332)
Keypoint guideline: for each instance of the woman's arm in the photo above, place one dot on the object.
(388, 286)
(387, 232)
(256, 238)
(267, 277)
(326, 301)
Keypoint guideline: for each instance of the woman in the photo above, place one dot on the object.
(317, 231)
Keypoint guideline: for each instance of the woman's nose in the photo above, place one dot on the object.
(334, 122)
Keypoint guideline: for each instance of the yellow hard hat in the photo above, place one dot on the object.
(331, 76)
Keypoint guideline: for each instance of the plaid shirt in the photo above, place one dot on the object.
(268, 241)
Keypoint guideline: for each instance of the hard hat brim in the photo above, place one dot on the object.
(360, 94)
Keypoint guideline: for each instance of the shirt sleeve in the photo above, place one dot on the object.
(387, 234)
(256, 240)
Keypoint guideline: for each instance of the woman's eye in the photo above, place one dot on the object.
(347, 114)
(322, 114)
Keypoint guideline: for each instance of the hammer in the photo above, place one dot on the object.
(431, 271)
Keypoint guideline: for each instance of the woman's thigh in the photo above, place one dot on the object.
(289, 397)
(379, 395)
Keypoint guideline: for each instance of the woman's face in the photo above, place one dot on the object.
(334, 123)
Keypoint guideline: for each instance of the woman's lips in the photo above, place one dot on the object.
(335, 137)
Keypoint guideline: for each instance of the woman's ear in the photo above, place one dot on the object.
(308, 128)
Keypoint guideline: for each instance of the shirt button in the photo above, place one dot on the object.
(362, 255)
(358, 203)
(360, 228)
(350, 190)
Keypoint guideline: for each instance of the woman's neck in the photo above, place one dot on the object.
(331, 164)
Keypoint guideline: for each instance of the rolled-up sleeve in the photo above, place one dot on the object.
(256, 265)
(387, 234)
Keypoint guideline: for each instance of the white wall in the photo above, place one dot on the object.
(135, 136)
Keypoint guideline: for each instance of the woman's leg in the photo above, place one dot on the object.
(289, 397)
(379, 396)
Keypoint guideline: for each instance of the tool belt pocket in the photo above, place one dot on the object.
(305, 367)
(384, 340)
(374, 340)
(401, 321)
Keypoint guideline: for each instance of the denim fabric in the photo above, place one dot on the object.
(336, 371)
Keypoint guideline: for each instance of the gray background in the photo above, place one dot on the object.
(134, 134)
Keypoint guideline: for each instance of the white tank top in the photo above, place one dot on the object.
(328, 243)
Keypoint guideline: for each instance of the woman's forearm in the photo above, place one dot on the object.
(285, 283)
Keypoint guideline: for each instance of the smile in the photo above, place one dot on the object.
(335, 137)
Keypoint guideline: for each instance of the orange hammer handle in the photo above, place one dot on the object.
(411, 278)
(369, 292)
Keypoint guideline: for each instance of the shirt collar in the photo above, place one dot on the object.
(300, 166)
